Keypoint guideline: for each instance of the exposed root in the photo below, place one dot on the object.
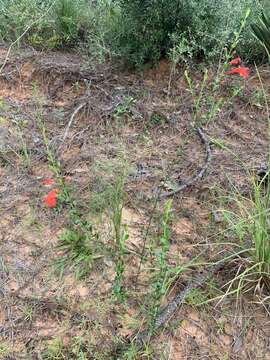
(200, 173)
(72, 70)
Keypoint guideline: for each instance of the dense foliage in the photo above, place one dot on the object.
(136, 31)
(197, 28)
(262, 31)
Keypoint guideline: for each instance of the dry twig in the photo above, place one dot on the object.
(200, 173)
(144, 336)
(75, 112)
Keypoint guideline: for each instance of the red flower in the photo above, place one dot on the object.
(242, 71)
(235, 61)
(50, 200)
(47, 182)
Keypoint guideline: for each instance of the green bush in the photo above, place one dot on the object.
(135, 31)
(149, 29)
(145, 27)
(51, 23)
(16, 16)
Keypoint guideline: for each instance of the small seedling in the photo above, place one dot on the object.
(179, 152)
(54, 350)
(156, 119)
(124, 107)
(5, 349)
(28, 313)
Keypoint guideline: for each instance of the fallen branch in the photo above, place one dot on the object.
(200, 173)
(144, 337)
(75, 112)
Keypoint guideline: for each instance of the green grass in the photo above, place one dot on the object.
(120, 236)
(250, 228)
(261, 30)
(78, 252)
(160, 280)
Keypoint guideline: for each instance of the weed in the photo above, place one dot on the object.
(179, 152)
(220, 325)
(160, 281)
(78, 349)
(5, 349)
(133, 353)
(257, 99)
(54, 350)
(207, 101)
(262, 32)
(156, 119)
(196, 98)
(120, 236)
(76, 244)
(67, 19)
(196, 298)
(124, 107)
(28, 313)
(250, 223)
(100, 199)
(4, 107)
(25, 153)
(30, 219)
(120, 266)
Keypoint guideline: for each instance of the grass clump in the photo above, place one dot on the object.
(262, 32)
(250, 227)
(77, 246)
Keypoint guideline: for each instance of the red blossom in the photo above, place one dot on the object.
(235, 61)
(50, 200)
(242, 71)
(47, 182)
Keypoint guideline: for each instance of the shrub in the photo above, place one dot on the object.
(149, 29)
(136, 31)
(213, 24)
(16, 16)
(51, 23)
(144, 28)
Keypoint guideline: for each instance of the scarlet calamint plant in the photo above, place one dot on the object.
(76, 241)
(208, 97)
(50, 200)
(242, 71)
